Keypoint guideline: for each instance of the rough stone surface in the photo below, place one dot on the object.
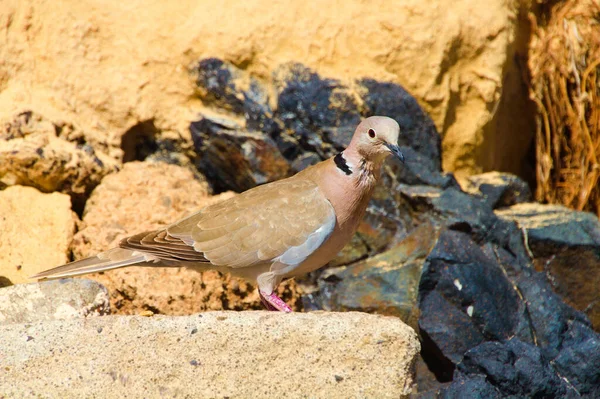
(52, 300)
(499, 189)
(472, 294)
(36, 230)
(215, 354)
(516, 368)
(565, 245)
(232, 159)
(464, 299)
(143, 197)
(463, 66)
(384, 284)
(554, 225)
(314, 118)
(50, 157)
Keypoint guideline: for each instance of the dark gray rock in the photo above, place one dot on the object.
(500, 189)
(554, 226)
(233, 159)
(317, 116)
(565, 245)
(579, 358)
(465, 299)
(322, 112)
(515, 368)
(472, 387)
(469, 301)
(385, 284)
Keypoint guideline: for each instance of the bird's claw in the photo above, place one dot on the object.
(273, 302)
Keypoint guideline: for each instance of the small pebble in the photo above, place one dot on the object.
(339, 378)
(147, 313)
(193, 362)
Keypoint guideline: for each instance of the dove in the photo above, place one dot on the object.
(271, 232)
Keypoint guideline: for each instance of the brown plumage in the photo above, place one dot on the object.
(271, 232)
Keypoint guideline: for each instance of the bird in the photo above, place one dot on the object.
(271, 232)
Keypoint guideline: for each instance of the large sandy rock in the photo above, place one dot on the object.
(35, 232)
(37, 152)
(52, 300)
(215, 354)
(115, 67)
(147, 196)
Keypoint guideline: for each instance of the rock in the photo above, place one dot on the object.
(548, 315)
(578, 359)
(499, 189)
(384, 284)
(216, 354)
(464, 67)
(516, 368)
(34, 153)
(35, 232)
(450, 207)
(308, 104)
(464, 299)
(471, 295)
(52, 300)
(476, 387)
(554, 225)
(565, 245)
(232, 159)
(146, 196)
(314, 117)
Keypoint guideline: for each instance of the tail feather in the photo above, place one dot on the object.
(111, 259)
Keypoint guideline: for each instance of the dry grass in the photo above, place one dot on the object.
(565, 77)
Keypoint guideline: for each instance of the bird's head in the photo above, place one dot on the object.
(375, 138)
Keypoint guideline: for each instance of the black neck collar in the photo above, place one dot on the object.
(341, 163)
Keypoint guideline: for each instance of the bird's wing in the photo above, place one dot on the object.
(284, 221)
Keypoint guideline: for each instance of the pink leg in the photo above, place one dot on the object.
(273, 302)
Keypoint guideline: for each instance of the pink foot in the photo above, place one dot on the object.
(273, 302)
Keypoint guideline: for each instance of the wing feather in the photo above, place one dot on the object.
(281, 222)
(261, 225)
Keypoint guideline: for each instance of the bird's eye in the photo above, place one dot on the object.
(371, 133)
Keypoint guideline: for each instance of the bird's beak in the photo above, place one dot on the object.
(394, 149)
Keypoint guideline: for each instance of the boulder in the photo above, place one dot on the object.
(145, 196)
(464, 67)
(50, 157)
(499, 189)
(314, 116)
(386, 283)
(514, 368)
(565, 245)
(214, 354)
(550, 226)
(233, 159)
(482, 316)
(52, 300)
(35, 233)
